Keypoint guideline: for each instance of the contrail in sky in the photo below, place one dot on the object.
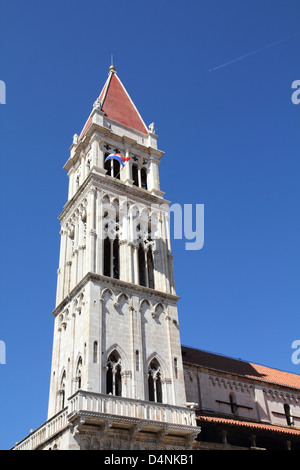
(254, 52)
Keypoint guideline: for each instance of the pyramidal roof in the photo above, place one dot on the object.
(117, 105)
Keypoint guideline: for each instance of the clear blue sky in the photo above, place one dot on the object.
(231, 141)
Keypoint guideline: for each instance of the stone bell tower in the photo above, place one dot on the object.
(117, 375)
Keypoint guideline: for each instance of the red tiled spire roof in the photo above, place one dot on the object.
(117, 105)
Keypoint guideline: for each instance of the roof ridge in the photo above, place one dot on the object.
(240, 360)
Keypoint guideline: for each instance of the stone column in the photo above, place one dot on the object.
(91, 230)
(82, 164)
(94, 152)
(126, 170)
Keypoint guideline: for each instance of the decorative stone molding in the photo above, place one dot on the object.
(231, 384)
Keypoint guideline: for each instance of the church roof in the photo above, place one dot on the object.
(247, 424)
(239, 367)
(117, 105)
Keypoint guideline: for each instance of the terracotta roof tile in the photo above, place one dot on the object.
(118, 106)
(247, 424)
(239, 367)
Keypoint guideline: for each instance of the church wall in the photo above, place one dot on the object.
(255, 400)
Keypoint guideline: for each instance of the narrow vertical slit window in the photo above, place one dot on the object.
(116, 259)
(107, 257)
(175, 368)
(78, 378)
(232, 400)
(137, 361)
(142, 267)
(62, 390)
(150, 268)
(95, 352)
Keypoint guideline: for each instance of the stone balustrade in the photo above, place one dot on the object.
(112, 407)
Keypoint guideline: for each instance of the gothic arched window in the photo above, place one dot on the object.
(116, 169)
(62, 390)
(111, 248)
(113, 375)
(78, 378)
(154, 382)
(116, 259)
(150, 268)
(107, 165)
(142, 265)
(144, 178)
(135, 174)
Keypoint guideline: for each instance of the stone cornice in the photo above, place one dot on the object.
(114, 283)
(103, 133)
(111, 184)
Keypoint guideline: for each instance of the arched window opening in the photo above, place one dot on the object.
(142, 265)
(150, 268)
(151, 387)
(287, 412)
(111, 249)
(135, 174)
(95, 352)
(107, 165)
(118, 381)
(116, 169)
(232, 400)
(113, 375)
(116, 258)
(107, 257)
(62, 390)
(144, 178)
(158, 388)
(109, 380)
(154, 382)
(78, 378)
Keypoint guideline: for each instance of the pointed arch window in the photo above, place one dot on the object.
(62, 390)
(154, 382)
(150, 268)
(146, 265)
(116, 169)
(113, 375)
(78, 378)
(111, 245)
(135, 174)
(142, 265)
(107, 165)
(112, 167)
(139, 176)
(144, 178)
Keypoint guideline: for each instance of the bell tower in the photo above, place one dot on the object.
(117, 375)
